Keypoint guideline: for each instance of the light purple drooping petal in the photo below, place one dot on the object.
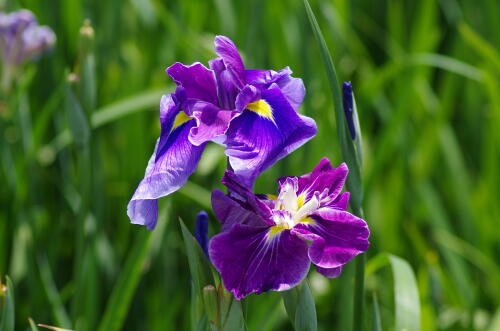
(292, 88)
(168, 169)
(251, 262)
(197, 80)
(255, 142)
(230, 212)
(211, 121)
(340, 237)
(330, 272)
(226, 49)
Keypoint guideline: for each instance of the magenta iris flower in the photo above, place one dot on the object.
(267, 243)
(253, 113)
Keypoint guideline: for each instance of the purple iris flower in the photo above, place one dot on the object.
(21, 37)
(253, 113)
(268, 243)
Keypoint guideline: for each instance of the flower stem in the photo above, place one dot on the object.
(359, 293)
(359, 286)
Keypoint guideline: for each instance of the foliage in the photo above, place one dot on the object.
(426, 76)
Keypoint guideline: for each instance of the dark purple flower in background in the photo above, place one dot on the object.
(253, 113)
(201, 231)
(349, 108)
(21, 38)
(268, 244)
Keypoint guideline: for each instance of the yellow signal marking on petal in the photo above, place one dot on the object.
(180, 119)
(308, 220)
(262, 108)
(271, 197)
(274, 230)
(300, 200)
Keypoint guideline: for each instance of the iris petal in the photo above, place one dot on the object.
(339, 237)
(168, 169)
(250, 262)
(211, 121)
(230, 212)
(254, 143)
(323, 177)
(228, 86)
(227, 50)
(246, 198)
(292, 88)
(330, 272)
(197, 80)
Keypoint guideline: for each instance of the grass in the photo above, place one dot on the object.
(426, 76)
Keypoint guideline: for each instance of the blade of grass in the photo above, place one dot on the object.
(377, 323)
(346, 145)
(32, 324)
(480, 45)
(60, 315)
(350, 155)
(142, 101)
(7, 308)
(197, 193)
(55, 328)
(300, 307)
(123, 292)
(406, 297)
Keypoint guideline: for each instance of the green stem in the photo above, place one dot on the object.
(359, 285)
(7, 74)
(359, 293)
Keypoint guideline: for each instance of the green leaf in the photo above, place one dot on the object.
(347, 145)
(7, 305)
(406, 297)
(54, 328)
(235, 319)
(197, 193)
(88, 86)
(32, 324)
(77, 121)
(290, 299)
(495, 321)
(488, 51)
(127, 106)
(377, 323)
(110, 113)
(201, 276)
(300, 307)
(126, 284)
(305, 316)
(198, 263)
(211, 302)
(60, 315)
(227, 18)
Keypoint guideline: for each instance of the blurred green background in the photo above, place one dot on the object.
(426, 76)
